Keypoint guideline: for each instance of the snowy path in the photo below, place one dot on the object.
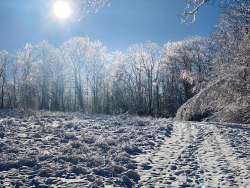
(199, 154)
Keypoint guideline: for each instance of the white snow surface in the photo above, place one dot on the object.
(77, 150)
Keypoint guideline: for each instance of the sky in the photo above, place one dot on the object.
(118, 26)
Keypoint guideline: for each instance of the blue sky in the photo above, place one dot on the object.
(124, 23)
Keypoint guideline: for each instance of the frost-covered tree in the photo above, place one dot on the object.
(4, 61)
(26, 84)
(85, 7)
(183, 70)
(74, 52)
(191, 64)
(48, 77)
(136, 73)
(85, 59)
(144, 62)
(95, 74)
(231, 33)
(118, 79)
(193, 6)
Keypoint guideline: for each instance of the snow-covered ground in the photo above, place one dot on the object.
(75, 150)
(199, 154)
(44, 149)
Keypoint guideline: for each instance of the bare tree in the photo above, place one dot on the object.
(4, 60)
(74, 52)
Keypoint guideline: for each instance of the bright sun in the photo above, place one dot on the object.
(62, 9)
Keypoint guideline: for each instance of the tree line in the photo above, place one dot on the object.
(148, 79)
(82, 76)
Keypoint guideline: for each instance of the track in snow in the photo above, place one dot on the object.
(198, 154)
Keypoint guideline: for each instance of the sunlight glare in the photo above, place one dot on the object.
(62, 9)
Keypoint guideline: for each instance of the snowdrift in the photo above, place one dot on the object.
(225, 100)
